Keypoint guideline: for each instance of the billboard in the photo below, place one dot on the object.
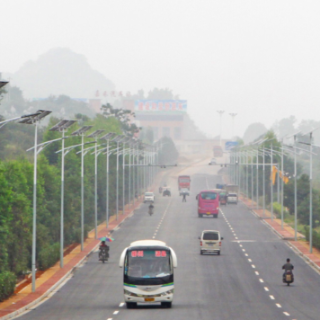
(160, 105)
(230, 144)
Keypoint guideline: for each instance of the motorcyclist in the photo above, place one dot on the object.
(151, 206)
(103, 246)
(287, 267)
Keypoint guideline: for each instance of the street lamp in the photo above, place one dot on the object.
(81, 132)
(107, 137)
(34, 120)
(61, 127)
(94, 135)
(220, 113)
(232, 114)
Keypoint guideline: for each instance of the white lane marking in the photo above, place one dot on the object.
(271, 297)
(243, 250)
(286, 314)
(261, 280)
(246, 254)
(116, 312)
(240, 245)
(249, 260)
(121, 304)
(265, 288)
(153, 237)
(278, 305)
(109, 319)
(236, 237)
(253, 266)
(257, 273)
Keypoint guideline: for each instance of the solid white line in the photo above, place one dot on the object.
(278, 305)
(116, 312)
(265, 288)
(271, 297)
(286, 314)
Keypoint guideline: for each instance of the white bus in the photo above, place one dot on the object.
(148, 273)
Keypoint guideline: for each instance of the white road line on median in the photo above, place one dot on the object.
(265, 288)
(121, 304)
(278, 305)
(116, 312)
(286, 314)
(271, 297)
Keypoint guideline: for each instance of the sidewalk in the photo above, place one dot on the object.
(286, 233)
(49, 280)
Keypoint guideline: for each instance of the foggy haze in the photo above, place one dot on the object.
(259, 59)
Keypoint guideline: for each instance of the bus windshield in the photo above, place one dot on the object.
(208, 195)
(148, 263)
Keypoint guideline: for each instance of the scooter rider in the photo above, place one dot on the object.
(287, 267)
(103, 246)
(151, 206)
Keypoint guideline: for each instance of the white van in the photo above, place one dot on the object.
(232, 198)
(210, 242)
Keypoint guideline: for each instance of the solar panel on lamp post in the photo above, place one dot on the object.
(61, 127)
(94, 135)
(34, 120)
(81, 132)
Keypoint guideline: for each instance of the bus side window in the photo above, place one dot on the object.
(126, 266)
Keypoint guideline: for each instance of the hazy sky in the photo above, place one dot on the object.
(260, 59)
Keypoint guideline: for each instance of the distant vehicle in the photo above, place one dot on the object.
(184, 190)
(148, 273)
(223, 198)
(149, 197)
(232, 198)
(212, 161)
(220, 186)
(232, 191)
(210, 242)
(217, 152)
(166, 192)
(184, 182)
(208, 203)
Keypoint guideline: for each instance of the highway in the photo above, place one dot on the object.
(243, 283)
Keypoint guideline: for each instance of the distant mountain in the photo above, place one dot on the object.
(60, 71)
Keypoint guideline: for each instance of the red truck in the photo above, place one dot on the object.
(184, 182)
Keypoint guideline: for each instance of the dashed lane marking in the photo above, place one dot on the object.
(278, 305)
(271, 297)
(261, 280)
(116, 312)
(121, 304)
(286, 314)
(253, 266)
(265, 288)
(257, 273)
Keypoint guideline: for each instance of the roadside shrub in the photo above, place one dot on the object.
(277, 209)
(7, 284)
(315, 237)
(48, 256)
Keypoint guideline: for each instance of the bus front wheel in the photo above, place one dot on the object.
(166, 304)
(131, 305)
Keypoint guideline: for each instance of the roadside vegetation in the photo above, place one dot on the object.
(16, 192)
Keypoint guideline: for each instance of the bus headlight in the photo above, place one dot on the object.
(131, 294)
(167, 292)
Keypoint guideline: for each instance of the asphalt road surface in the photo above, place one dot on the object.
(243, 283)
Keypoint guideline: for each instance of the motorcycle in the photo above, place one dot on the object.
(104, 254)
(288, 277)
